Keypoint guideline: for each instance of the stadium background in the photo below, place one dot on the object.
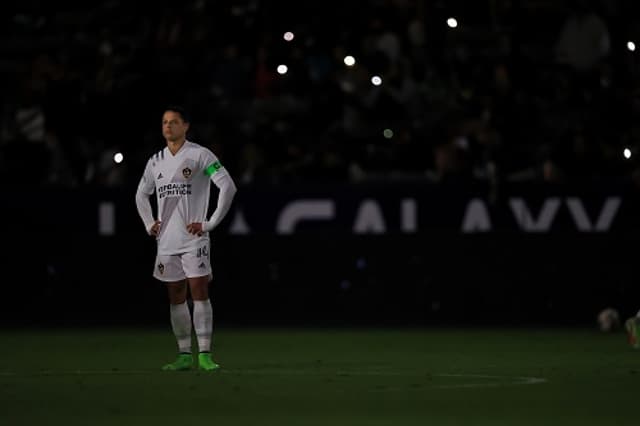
(431, 250)
(491, 178)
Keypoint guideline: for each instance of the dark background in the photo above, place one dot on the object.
(523, 100)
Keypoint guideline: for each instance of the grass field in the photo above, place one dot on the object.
(322, 377)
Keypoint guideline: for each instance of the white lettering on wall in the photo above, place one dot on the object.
(239, 225)
(302, 210)
(476, 217)
(369, 219)
(409, 216)
(106, 218)
(582, 221)
(525, 219)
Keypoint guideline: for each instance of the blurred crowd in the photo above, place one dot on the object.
(493, 90)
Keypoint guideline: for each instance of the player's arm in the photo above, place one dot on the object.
(228, 190)
(221, 178)
(145, 189)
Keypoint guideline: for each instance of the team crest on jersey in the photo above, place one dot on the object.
(186, 172)
(161, 268)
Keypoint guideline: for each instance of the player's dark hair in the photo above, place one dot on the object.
(180, 110)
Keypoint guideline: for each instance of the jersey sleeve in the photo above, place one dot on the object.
(147, 184)
(211, 166)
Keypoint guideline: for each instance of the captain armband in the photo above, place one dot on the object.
(213, 168)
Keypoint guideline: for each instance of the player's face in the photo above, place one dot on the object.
(174, 127)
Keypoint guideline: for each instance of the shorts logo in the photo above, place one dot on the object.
(201, 265)
(186, 172)
(160, 176)
(161, 268)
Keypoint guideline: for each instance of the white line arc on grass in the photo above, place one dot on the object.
(496, 380)
(514, 380)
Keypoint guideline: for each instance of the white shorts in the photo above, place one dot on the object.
(177, 267)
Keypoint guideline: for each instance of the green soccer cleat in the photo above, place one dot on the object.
(182, 363)
(633, 331)
(206, 363)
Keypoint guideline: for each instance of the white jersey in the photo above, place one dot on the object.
(182, 183)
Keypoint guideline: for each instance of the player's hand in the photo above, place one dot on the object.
(195, 228)
(155, 228)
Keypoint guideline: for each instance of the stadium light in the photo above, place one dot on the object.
(282, 69)
(376, 80)
(631, 46)
(118, 157)
(288, 36)
(349, 60)
(452, 22)
(387, 133)
(626, 153)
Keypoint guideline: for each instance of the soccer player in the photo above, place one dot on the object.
(180, 174)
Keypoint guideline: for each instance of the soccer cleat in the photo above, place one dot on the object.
(206, 363)
(182, 363)
(633, 331)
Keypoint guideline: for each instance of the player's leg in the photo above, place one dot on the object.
(633, 330)
(202, 311)
(180, 315)
(198, 270)
(202, 320)
(169, 270)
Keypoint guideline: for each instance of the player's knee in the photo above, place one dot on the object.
(177, 299)
(177, 293)
(199, 288)
(200, 293)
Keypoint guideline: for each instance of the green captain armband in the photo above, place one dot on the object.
(212, 168)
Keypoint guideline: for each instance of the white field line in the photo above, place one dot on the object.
(486, 380)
